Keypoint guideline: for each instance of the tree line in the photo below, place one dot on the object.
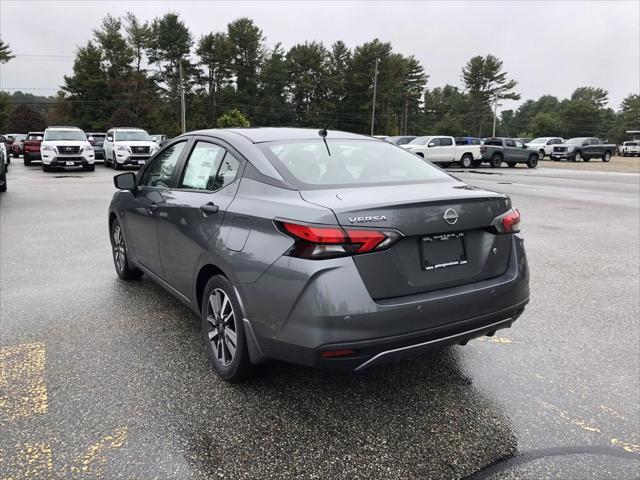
(133, 72)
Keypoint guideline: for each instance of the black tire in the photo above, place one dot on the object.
(46, 168)
(238, 367)
(26, 160)
(89, 168)
(496, 160)
(120, 254)
(15, 155)
(577, 157)
(585, 159)
(541, 155)
(476, 163)
(116, 165)
(511, 164)
(466, 161)
(420, 154)
(606, 157)
(532, 162)
(3, 184)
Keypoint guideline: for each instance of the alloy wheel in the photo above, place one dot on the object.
(119, 252)
(221, 327)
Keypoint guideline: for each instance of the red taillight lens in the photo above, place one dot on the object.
(508, 222)
(337, 353)
(329, 235)
(317, 242)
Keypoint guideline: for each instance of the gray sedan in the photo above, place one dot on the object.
(325, 249)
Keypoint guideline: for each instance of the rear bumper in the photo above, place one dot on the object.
(297, 315)
(35, 155)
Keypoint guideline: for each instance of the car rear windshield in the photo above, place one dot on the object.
(540, 140)
(353, 163)
(34, 136)
(132, 135)
(71, 135)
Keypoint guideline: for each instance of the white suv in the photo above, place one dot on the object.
(66, 147)
(128, 146)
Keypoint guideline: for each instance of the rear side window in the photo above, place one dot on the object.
(509, 143)
(446, 142)
(493, 141)
(210, 167)
(311, 163)
(202, 166)
(160, 170)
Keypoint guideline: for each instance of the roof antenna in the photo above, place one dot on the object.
(323, 132)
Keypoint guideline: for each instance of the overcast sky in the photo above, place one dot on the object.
(549, 48)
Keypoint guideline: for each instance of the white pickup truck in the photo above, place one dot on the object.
(628, 149)
(440, 149)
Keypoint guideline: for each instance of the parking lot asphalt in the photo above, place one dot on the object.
(99, 377)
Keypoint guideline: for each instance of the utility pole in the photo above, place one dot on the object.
(182, 112)
(375, 87)
(406, 114)
(495, 114)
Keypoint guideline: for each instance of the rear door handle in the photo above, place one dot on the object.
(209, 208)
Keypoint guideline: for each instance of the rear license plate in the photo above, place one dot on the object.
(71, 163)
(140, 162)
(441, 251)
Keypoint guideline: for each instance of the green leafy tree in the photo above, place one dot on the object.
(595, 96)
(139, 36)
(308, 78)
(337, 65)
(486, 82)
(169, 50)
(630, 112)
(24, 119)
(215, 52)
(124, 118)
(233, 118)
(273, 107)
(5, 52)
(5, 110)
(413, 86)
(545, 123)
(89, 96)
(117, 55)
(445, 111)
(248, 55)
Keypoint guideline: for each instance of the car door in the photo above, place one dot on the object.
(520, 152)
(446, 149)
(509, 151)
(191, 215)
(141, 212)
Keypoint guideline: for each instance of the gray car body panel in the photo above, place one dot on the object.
(295, 308)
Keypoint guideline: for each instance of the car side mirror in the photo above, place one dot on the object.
(125, 181)
(431, 145)
(109, 139)
(524, 146)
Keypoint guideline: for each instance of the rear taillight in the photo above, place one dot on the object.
(319, 241)
(508, 222)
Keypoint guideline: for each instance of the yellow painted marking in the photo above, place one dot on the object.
(495, 339)
(94, 458)
(576, 421)
(23, 390)
(629, 447)
(31, 460)
(613, 413)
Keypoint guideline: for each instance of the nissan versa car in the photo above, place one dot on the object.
(325, 249)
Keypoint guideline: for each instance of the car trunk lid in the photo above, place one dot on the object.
(435, 252)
